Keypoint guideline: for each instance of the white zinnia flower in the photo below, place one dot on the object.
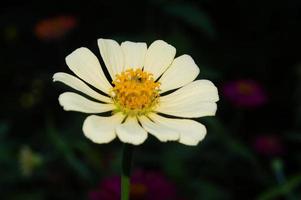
(136, 97)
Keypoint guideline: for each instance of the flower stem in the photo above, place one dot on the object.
(126, 171)
(277, 166)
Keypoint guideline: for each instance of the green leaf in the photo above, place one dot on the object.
(234, 145)
(67, 152)
(282, 190)
(92, 156)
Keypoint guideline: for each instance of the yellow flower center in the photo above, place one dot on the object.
(138, 190)
(135, 92)
(245, 88)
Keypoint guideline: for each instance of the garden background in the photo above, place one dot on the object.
(249, 49)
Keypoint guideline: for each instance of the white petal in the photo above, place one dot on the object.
(131, 132)
(194, 110)
(204, 90)
(75, 102)
(182, 71)
(112, 56)
(134, 54)
(196, 99)
(102, 129)
(86, 66)
(79, 85)
(158, 58)
(191, 132)
(163, 133)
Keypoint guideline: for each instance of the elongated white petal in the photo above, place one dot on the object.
(79, 85)
(202, 90)
(182, 71)
(86, 66)
(75, 102)
(102, 129)
(191, 132)
(163, 133)
(194, 110)
(158, 57)
(134, 54)
(196, 99)
(112, 56)
(131, 132)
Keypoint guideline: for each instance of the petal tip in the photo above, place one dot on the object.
(55, 76)
(75, 52)
(61, 102)
(101, 40)
(89, 133)
(133, 142)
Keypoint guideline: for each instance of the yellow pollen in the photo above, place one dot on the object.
(135, 92)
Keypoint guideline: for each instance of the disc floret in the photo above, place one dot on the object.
(135, 92)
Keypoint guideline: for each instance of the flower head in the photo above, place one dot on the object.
(146, 185)
(136, 96)
(245, 93)
(268, 145)
(55, 28)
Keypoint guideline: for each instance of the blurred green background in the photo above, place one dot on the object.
(252, 149)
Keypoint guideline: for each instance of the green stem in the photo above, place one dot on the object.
(277, 166)
(126, 171)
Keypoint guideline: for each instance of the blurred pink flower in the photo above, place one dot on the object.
(245, 93)
(268, 145)
(55, 28)
(145, 185)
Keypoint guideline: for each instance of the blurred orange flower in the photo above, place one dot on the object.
(55, 27)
